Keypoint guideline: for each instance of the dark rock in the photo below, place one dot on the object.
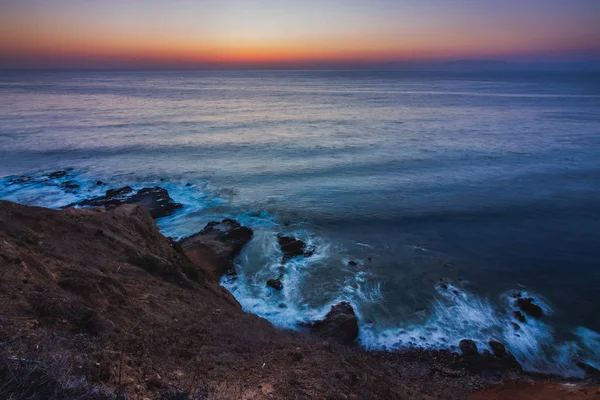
(216, 246)
(352, 263)
(468, 348)
(20, 179)
(591, 373)
(527, 306)
(56, 174)
(118, 193)
(188, 184)
(519, 315)
(340, 324)
(292, 247)
(516, 327)
(501, 359)
(70, 185)
(113, 197)
(229, 231)
(497, 360)
(155, 200)
(99, 183)
(498, 348)
(275, 284)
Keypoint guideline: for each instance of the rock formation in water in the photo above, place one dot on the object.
(155, 200)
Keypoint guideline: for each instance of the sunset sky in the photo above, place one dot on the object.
(182, 33)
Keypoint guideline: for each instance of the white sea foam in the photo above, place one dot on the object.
(458, 315)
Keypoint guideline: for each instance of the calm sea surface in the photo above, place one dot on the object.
(451, 191)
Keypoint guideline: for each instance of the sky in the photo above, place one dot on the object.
(296, 33)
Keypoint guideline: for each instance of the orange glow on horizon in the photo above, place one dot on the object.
(285, 32)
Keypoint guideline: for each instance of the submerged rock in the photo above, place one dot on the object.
(20, 179)
(275, 284)
(155, 200)
(292, 247)
(340, 324)
(527, 306)
(217, 245)
(519, 315)
(56, 174)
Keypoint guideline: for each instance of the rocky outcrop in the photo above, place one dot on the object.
(217, 245)
(339, 324)
(520, 317)
(155, 200)
(275, 284)
(498, 360)
(57, 174)
(468, 348)
(526, 305)
(292, 247)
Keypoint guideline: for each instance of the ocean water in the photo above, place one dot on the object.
(451, 191)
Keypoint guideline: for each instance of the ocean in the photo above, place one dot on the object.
(431, 198)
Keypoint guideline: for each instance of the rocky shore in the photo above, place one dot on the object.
(95, 303)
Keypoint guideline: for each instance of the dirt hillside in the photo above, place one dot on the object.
(96, 304)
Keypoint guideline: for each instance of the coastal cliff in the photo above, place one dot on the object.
(97, 304)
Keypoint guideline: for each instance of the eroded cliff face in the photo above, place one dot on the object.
(94, 303)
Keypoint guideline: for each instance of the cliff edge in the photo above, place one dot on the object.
(98, 304)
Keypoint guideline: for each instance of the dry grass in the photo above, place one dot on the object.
(50, 379)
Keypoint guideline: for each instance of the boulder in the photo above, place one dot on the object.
(468, 348)
(501, 359)
(155, 200)
(497, 360)
(526, 305)
(498, 348)
(339, 324)
(275, 284)
(216, 246)
(292, 247)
